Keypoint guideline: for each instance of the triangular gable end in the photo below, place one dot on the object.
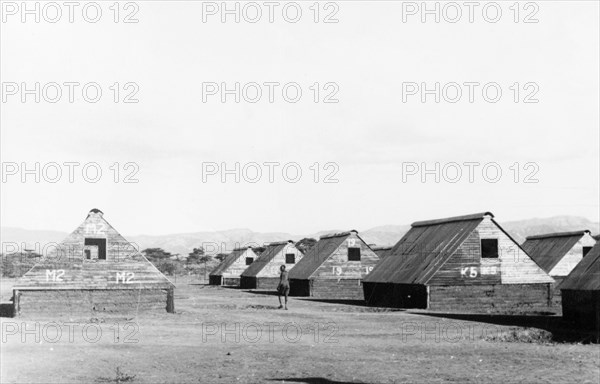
(94, 256)
(473, 262)
(236, 263)
(269, 262)
(574, 256)
(337, 264)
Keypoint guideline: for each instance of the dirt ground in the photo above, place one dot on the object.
(221, 335)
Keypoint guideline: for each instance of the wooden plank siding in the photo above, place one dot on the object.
(262, 283)
(231, 274)
(271, 269)
(91, 303)
(267, 283)
(438, 265)
(504, 298)
(334, 276)
(69, 280)
(338, 267)
(573, 256)
(467, 267)
(343, 289)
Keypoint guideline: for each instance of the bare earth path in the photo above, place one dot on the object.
(222, 335)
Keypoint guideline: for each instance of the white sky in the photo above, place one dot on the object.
(368, 134)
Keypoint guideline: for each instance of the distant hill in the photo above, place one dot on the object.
(225, 241)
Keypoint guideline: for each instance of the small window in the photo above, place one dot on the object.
(290, 258)
(100, 243)
(586, 250)
(353, 254)
(88, 253)
(489, 248)
(249, 260)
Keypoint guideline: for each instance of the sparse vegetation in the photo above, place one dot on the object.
(523, 335)
(304, 245)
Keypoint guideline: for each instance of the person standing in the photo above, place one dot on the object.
(284, 286)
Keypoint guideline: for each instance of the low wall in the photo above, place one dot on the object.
(503, 298)
(92, 303)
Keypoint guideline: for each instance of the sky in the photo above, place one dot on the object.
(530, 151)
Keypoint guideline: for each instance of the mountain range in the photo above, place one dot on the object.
(224, 241)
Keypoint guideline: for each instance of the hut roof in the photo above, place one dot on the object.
(548, 249)
(320, 252)
(80, 273)
(586, 275)
(268, 254)
(229, 260)
(382, 251)
(425, 248)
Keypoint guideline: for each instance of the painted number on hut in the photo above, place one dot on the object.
(125, 277)
(55, 275)
(95, 228)
(472, 272)
(469, 272)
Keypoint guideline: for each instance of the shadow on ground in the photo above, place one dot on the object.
(314, 380)
(561, 330)
(270, 293)
(358, 303)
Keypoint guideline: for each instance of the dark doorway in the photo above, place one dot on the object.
(101, 244)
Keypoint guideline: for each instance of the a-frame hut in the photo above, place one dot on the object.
(333, 268)
(264, 272)
(559, 253)
(460, 264)
(229, 271)
(581, 292)
(93, 272)
(382, 251)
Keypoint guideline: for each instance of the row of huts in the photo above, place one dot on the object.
(465, 263)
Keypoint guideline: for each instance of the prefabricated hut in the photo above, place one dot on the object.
(465, 263)
(559, 253)
(264, 272)
(95, 271)
(333, 268)
(581, 292)
(382, 251)
(228, 272)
